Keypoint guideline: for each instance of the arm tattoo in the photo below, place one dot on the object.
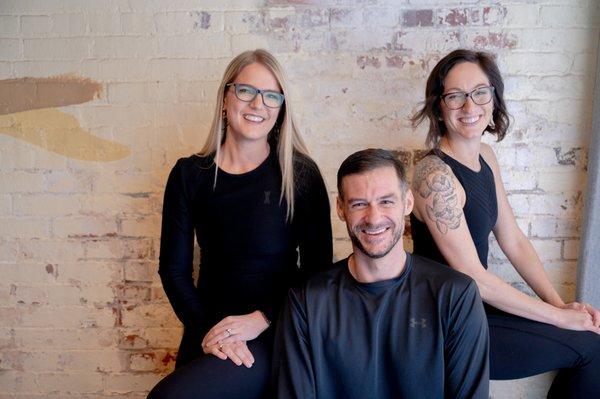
(432, 178)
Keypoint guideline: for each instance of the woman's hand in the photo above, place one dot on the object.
(237, 352)
(236, 328)
(587, 308)
(577, 316)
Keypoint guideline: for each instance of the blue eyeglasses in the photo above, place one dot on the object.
(247, 93)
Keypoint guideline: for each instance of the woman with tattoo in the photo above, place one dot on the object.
(460, 199)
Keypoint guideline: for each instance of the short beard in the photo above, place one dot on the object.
(356, 242)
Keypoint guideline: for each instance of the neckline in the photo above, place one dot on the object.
(258, 168)
(481, 160)
(376, 286)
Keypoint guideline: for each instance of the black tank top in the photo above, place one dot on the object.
(480, 210)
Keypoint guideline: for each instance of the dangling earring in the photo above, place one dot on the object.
(224, 118)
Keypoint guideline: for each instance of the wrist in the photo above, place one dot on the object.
(557, 316)
(264, 318)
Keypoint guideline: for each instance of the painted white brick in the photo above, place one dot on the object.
(77, 294)
(45, 204)
(560, 182)
(9, 26)
(559, 40)
(548, 249)
(584, 64)
(21, 182)
(10, 49)
(530, 63)
(128, 382)
(5, 204)
(140, 270)
(66, 317)
(82, 381)
(571, 250)
(50, 251)
(88, 272)
(548, 227)
(141, 227)
(105, 23)
(193, 46)
(13, 227)
(83, 226)
(36, 25)
(521, 15)
(138, 23)
(127, 93)
(376, 18)
(73, 49)
(36, 339)
(123, 47)
(69, 25)
(560, 17)
(150, 316)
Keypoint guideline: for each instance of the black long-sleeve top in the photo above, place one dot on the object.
(423, 334)
(248, 250)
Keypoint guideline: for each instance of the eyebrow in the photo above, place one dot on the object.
(248, 84)
(455, 89)
(383, 197)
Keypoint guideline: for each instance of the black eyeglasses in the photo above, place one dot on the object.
(457, 99)
(247, 93)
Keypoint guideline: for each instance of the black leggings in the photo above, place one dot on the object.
(521, 348)
(210, 377)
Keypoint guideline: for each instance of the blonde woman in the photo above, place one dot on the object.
(256, 202)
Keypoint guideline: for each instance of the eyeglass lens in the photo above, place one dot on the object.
(480, 96)
(248, 93)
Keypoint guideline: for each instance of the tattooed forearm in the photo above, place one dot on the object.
(432, 179)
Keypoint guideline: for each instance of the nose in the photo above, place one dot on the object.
(372, 214)
(257, 102)
(469, 104)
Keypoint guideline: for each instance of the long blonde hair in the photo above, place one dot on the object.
(286, 134)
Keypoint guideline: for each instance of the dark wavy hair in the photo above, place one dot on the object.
(432, 110)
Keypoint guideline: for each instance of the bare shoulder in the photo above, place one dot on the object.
(489, 156)
(439, 194)
(431, 173)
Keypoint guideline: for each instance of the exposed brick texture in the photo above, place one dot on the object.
(82, 308)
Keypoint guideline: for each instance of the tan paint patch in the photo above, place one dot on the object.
(59, 132)
(24, 94)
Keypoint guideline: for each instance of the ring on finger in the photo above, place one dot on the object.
(229, 334)
(220, 347)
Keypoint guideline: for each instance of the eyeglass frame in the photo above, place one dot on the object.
(469, 95)
(258, 91)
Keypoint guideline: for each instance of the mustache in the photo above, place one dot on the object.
(371, 226)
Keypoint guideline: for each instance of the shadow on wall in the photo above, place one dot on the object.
(28, 111)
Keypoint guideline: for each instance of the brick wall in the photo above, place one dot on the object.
(117, 90)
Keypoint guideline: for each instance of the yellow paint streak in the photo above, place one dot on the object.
(61, 133)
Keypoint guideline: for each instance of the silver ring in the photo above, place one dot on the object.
(229, 332)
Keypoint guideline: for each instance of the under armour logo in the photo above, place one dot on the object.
(267, 198)
(413, 323)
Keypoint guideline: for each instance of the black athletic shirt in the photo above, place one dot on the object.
(421, 335)
(480, 210)
(248, 251)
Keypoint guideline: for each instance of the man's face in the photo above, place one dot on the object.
(374, 210)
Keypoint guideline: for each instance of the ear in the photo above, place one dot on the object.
(409, 202)
(339, 206)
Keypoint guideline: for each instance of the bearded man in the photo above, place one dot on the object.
(382, 323)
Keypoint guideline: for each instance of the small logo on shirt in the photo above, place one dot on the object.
(414, 323)
(267, 198)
